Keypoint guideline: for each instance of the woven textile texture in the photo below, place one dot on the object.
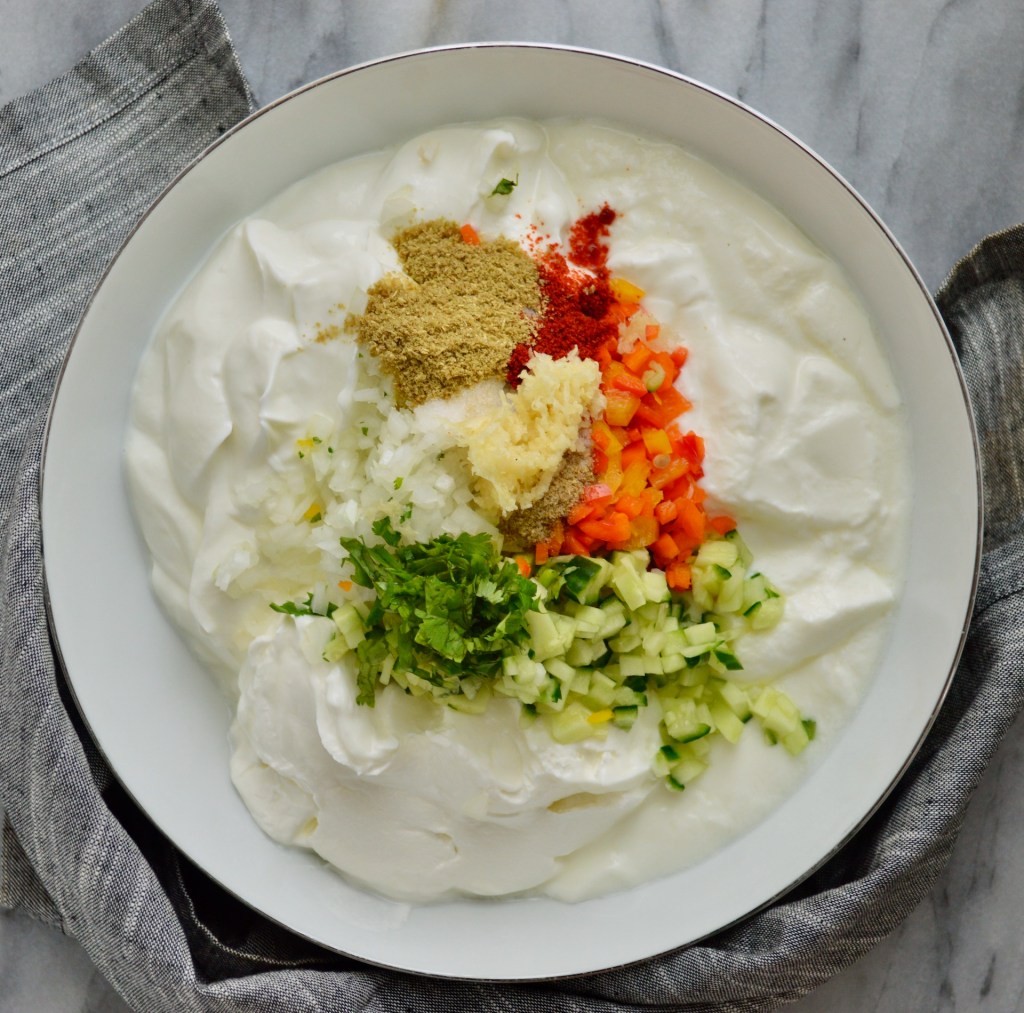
(79, 162)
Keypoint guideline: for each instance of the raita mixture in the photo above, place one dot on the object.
(375, 380)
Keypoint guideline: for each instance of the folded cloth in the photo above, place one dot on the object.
(79, 161)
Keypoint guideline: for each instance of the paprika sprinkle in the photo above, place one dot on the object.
(576, 303)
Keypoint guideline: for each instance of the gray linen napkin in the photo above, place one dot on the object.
(79, 161)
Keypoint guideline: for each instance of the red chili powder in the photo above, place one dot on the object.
(575, 302)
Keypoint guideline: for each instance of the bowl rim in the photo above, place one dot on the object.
(419, 53)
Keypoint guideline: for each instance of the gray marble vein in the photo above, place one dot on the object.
(920, 105)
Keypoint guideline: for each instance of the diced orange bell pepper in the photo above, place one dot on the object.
(634, 452)
(678, 576)
(723, 524)
(580, 512)
(666, 512)
(664, 547)
(629, 382)
(657, 442)
(660, 408)
(620, 407)
(631, 506)
(614, 528)
(661, 477)
(611, 474)
(636, 361)
(690, 520)
(643, 530)
(576, 543)
(603, 437)
(634, 478)
(626, 291)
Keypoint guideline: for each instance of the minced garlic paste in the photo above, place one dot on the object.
(515, 450)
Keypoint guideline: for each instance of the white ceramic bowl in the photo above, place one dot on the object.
(159, 718)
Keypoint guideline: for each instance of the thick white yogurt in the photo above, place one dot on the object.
(806, 447)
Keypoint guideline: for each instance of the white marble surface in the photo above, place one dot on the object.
(919, 104)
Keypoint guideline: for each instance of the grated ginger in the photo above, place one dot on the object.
(515, 450)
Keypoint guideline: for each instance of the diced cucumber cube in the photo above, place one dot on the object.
(702, 633)
(562, 671)
(735, 697)
(350, 625)
(625, 716)
(572, 724)
(630, 639)
(688, 769)
(746, 557)
(730, 596)
(588, 619)
(768, 614)
(726, 722)
(656, 586)
(585, 652)
(464, 705)
(626, 577)
(724, 552)
(584, 577)
(685, 720)
(672, 663)
(551, 634)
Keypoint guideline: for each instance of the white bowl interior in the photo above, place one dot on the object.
(159, 718)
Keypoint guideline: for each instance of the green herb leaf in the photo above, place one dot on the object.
(382, 529)
(505, 187)
(446, 610)
(290, 608)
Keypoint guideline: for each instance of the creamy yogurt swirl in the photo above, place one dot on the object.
(806, 447)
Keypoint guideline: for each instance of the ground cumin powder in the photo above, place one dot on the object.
(522, 529)
(455, 315)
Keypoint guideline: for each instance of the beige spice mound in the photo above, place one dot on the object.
(523, 529)
(455, 315)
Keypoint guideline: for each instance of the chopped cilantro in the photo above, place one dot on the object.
(365, 430)
(290, 608)
(505, 187)
(316, 439)
(446, 610)
(398, 483)
(382, 528)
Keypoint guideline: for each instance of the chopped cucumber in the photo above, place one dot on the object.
(584, 578)
(605, 635)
